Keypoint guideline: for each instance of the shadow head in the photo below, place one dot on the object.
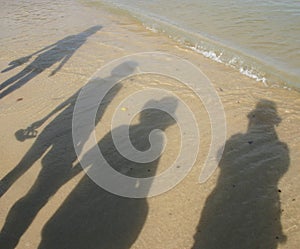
(125, 69)
(156, 116)
(265, 113)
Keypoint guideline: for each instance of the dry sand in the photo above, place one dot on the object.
(251, 201)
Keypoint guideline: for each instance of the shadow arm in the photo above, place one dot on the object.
(16, 63)
(40, 122)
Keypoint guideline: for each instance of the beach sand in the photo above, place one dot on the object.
(251, 201)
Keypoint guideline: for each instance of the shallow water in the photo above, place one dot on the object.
(259, 38)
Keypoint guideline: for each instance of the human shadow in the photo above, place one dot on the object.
(60, 51)
(243, 211)
(92, 217)
(55, 145)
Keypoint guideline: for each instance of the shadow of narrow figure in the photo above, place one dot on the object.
(55, 145)
(60, 51)
(93, 218)
(243, 211)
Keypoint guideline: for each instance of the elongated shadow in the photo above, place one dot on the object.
(243, 211)
(55, 145)
(94, 218)
(60, 51)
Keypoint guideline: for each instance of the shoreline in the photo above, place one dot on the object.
(244, 60)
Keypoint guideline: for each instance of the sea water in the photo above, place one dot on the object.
(261, 39)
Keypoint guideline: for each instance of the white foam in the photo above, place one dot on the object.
(252, 75)
(154, 30)
(209, 54)
(233, 62)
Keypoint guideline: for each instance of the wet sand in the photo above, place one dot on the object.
(48, 202)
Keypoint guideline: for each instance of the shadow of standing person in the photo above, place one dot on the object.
(243, 211)
(57, 162)
(60, 51)
(93, 218)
